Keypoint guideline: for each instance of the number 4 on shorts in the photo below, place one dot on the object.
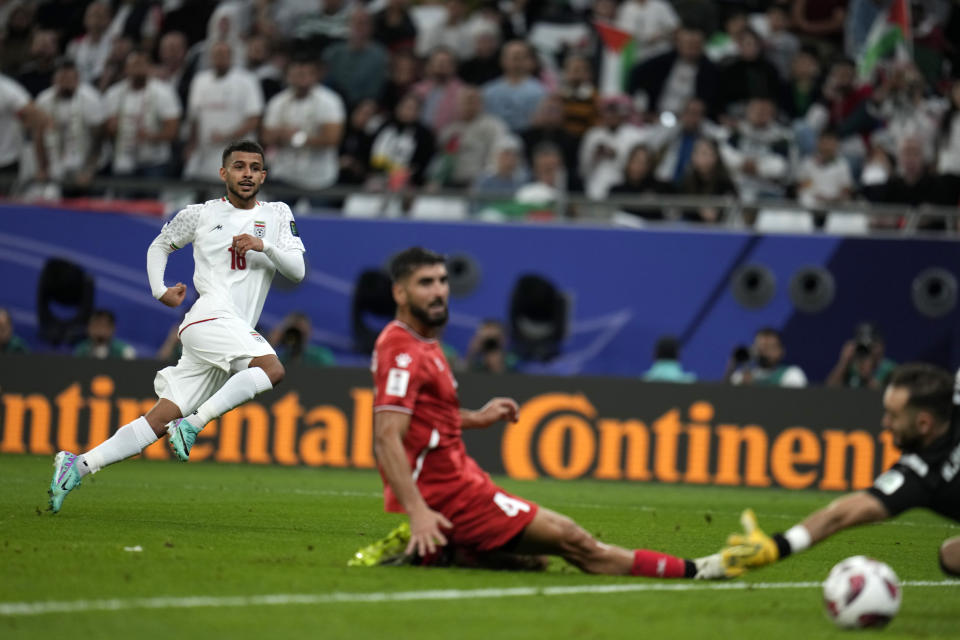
(510, 506)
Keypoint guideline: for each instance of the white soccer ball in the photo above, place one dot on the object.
(861, 593)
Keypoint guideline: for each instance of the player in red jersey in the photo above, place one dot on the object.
(451, 502)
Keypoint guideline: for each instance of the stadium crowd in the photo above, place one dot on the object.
(524, 100)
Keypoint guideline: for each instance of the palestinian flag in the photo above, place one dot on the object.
(619, 53)
(890, 36)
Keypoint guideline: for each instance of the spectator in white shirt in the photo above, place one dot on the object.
(824, 178)
(760, 153)
(949, 138)
(143, 117)
(468, 144)
(72, 136)
(17, 112)
(303, 124)
(172, 65)
(225, 104)
(651, 23)
(457, 31)
(90, 51)
(605, 147)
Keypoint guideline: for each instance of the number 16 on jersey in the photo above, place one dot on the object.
(236, 261)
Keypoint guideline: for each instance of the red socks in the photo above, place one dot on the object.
(653, 564)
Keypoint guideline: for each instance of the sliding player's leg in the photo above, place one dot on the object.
(552, 533)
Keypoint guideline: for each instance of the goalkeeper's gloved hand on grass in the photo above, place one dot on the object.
(753, 548)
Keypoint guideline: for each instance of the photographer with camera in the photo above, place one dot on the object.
(762, 364)
(488, 352)
(291, 340)
(862, 362)
(666, 363)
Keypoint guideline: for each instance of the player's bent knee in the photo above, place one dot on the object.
(949, 556)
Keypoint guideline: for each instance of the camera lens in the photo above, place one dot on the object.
(490, 344)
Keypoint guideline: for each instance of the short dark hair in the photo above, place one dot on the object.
(64, 64)
(931, 388)
(246, 146)
(667, 348)
(105, 314)
(409, 260)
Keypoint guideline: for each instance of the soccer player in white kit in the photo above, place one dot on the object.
(238, 245)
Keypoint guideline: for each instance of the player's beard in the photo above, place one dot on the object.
(240, 196)
(423, 314)
(907, 442)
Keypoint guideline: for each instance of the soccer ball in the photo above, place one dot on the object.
(861, 593)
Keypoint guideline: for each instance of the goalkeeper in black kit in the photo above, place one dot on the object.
(920, 409)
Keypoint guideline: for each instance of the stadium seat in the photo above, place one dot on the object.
(64, 302)
(372, 308)
(365, 205)
(784, 221)
(538, 318)
(439, 208)
(846, 223)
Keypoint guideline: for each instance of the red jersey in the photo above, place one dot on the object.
(411, 375)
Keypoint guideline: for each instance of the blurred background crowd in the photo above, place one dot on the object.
(527, 103)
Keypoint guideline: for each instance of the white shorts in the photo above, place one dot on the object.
(213, 350)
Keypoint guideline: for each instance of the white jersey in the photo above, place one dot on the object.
(75, 119)
(218, 105)
(305, 167)
(13, 98)
(230, 286)
(135, 109)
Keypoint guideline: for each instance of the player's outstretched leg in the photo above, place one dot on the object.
(263, 374)
(555, 534)
(128, 441)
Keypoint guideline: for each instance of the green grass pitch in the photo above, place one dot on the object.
(234, 533)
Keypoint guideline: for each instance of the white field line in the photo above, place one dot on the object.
(280, 599)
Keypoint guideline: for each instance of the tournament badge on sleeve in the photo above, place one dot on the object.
(259, 228)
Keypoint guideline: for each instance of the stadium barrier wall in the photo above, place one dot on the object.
(625, 287)
(610, 429)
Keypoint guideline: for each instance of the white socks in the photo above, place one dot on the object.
(798, 537)
(129, 440)
(238, 389)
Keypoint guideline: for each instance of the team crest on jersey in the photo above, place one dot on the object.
(259, 228)
(257, 336)
(404, 360)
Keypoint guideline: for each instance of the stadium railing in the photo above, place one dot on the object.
(767, 215)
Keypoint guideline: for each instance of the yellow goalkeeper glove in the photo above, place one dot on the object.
(753, 548)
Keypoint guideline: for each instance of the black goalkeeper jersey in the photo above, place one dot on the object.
(927, 478)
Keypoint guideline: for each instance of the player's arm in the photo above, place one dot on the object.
(175, 234)
(389, 427)
(494, 411)
(288, 262)
(843, 513)
(328, 135)
(754, 548)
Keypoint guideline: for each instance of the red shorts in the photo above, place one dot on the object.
(485, 517)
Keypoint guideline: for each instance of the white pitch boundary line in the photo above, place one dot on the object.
(281, 599)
